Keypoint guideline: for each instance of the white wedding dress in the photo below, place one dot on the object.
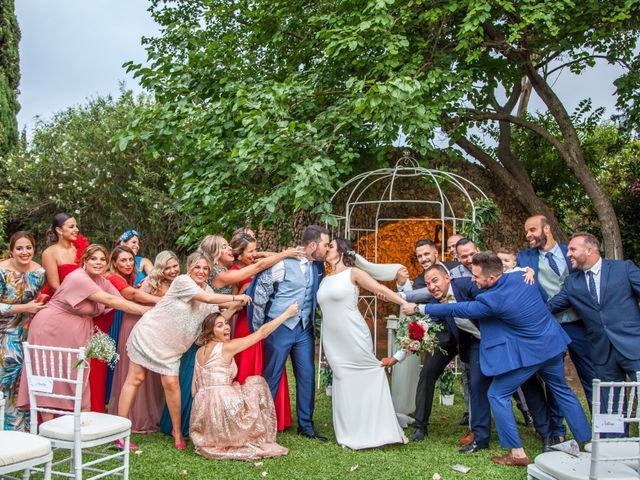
(363, 413)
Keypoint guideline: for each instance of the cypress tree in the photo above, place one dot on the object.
(9, 75)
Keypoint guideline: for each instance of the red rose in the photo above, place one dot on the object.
(416, 331)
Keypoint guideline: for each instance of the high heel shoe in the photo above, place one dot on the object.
(120, 444)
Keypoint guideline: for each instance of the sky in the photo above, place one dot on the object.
(74, 49)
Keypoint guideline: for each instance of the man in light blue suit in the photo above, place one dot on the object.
(273, 290)
(519, 339)
(605, 295)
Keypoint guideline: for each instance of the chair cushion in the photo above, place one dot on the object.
(566, 467)
(19, 447)
(619, 449)
(92, 426)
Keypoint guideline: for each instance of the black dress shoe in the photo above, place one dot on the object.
(473, 447)
(465, 419)
(312, 434)
(419, 434)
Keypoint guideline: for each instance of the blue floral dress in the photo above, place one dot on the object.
(15, 288)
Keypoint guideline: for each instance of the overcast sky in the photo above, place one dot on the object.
(74, 49)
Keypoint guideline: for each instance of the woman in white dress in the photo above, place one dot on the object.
(363, 413)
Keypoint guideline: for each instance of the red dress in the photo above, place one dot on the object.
(98, 369)
(81, 243)
(249, 363)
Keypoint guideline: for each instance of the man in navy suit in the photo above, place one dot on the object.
(551, 266)
(272, 290)
(519, 339)
(442, 289)
(605, 295)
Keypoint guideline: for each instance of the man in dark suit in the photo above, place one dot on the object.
(442, 289)
(519, 339)
(551, 266)
(605, 295)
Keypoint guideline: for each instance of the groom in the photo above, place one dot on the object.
(294, 280)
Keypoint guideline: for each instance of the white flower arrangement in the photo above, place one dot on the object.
(101, 347)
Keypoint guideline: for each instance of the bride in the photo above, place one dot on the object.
(363, 413)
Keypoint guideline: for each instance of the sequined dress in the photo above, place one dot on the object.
(229, 420)
(166, 331)
(15, 288)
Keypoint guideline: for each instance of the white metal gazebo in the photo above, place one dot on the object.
(380, 197)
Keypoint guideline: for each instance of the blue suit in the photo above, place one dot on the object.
(579, 349)
(297, 342)
(519, 338)
(613, 324)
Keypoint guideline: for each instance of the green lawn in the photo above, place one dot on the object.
(157, 459)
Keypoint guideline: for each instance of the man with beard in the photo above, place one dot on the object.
(605, 295)
(442, 289)
(427, 255)
(519, 339)
(551, 266)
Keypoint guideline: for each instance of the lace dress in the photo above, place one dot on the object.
(229, 420)
(166, 331)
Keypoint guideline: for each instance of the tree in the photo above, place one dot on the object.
(71, 165)
(611, 155)
(274, 102)
(9, 76)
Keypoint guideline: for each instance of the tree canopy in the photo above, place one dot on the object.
(269, 105)
(71, 165)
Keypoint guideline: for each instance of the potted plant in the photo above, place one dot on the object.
(326, 376)
(445, 385)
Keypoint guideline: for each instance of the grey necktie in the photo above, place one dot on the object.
(552, 263)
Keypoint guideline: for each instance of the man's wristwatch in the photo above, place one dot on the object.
(416, 309)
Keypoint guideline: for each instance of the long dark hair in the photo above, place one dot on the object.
(57, 222)
(345, 248)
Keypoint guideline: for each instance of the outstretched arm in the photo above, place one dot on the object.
(473, 309)
(560, 302)
(234, 276)
(366, 281)
(237, 345)
(218, 298)
(117, 302)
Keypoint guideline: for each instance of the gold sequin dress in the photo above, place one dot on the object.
(229, 420)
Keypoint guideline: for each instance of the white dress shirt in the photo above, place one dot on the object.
(277, 271)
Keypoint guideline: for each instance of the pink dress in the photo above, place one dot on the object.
(229, 420)
(147, 407)
(67, 321)
(169, 329)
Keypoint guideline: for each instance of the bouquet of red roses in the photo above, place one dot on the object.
(416, 333)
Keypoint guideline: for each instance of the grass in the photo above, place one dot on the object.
(312, 459)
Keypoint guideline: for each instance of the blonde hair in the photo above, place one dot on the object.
(211, 246)
(156, 275)
(91, 249)
(195, 257)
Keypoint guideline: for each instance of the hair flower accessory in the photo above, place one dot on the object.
(128, 235)
(351, 253)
